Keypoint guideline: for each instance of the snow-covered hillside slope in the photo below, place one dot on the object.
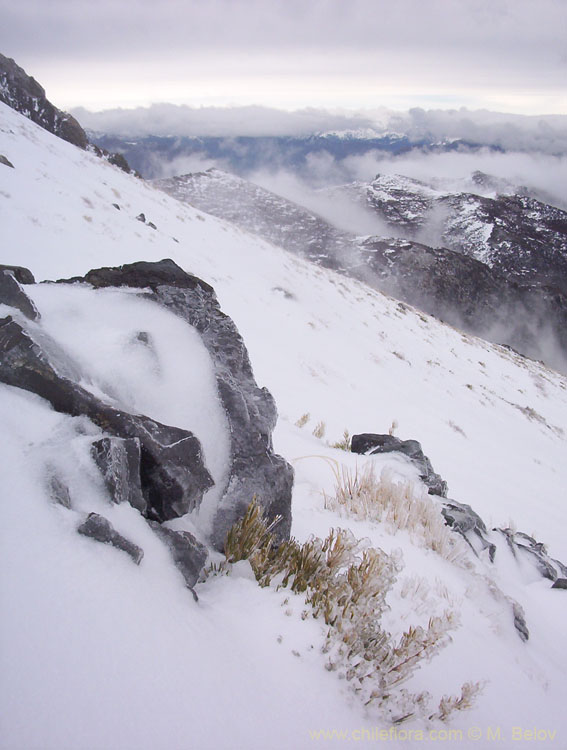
(495, 267)
(99, 653)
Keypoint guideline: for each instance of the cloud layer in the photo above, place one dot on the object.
(510, 53)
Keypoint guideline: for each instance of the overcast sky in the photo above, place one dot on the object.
(504, 55)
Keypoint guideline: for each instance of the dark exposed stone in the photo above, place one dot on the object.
(119, 161)
(256, 471)
(99, 528)
(59, 491)
(21, 274)
(116, 206)
(173, 475)
(462, 519)
(143, 275)
(151, 225)
(24, 94)
(560, 583)
(370, 443)
(188, 554)
(520, 621)
(141, 217)
(119, 460)
(5, 161)
(12, 294)
(526, 548)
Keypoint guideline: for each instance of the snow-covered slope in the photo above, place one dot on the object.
(100, 653)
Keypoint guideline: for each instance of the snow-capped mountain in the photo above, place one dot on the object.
(126, 650)
(523, 238)
(497, 268)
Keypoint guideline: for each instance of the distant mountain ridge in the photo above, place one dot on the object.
(246, 154)
(515, 234)
(511, 289)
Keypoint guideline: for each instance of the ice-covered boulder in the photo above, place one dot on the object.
(159, 468)
(100, 529)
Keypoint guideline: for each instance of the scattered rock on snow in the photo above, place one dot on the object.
(99, 528)
(520, 621)
(12, 294)
(371, 443)
(59, 491)
(188, 554)
(525, 547)
(5, 161)
(462, 519)
(21, 274)
(119, 461)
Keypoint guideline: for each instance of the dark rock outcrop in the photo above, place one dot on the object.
(188, 554)
(172, 472)
(97, 527)
(24, 94)
(462, 519)
(255, 471)
(371, 444)
(21, 274)
(560, 583)
(12, 294)
(119, 460)
(6, 162)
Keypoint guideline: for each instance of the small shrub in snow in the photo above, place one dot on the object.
(345, 583)
(319, 430)
(344, 443)
(303, 419)
(398, 505)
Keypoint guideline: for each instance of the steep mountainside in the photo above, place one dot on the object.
(263, 213)
(506, 300)
(115, 637)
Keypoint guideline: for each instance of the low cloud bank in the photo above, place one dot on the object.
(540, 133)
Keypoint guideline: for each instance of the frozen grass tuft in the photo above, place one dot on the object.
(319, 430)
(398, 505)
(344, 443)
(345, 583)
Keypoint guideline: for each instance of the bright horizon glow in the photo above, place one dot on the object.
(72, 89)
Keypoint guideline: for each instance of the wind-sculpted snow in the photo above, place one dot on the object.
(255, 471)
